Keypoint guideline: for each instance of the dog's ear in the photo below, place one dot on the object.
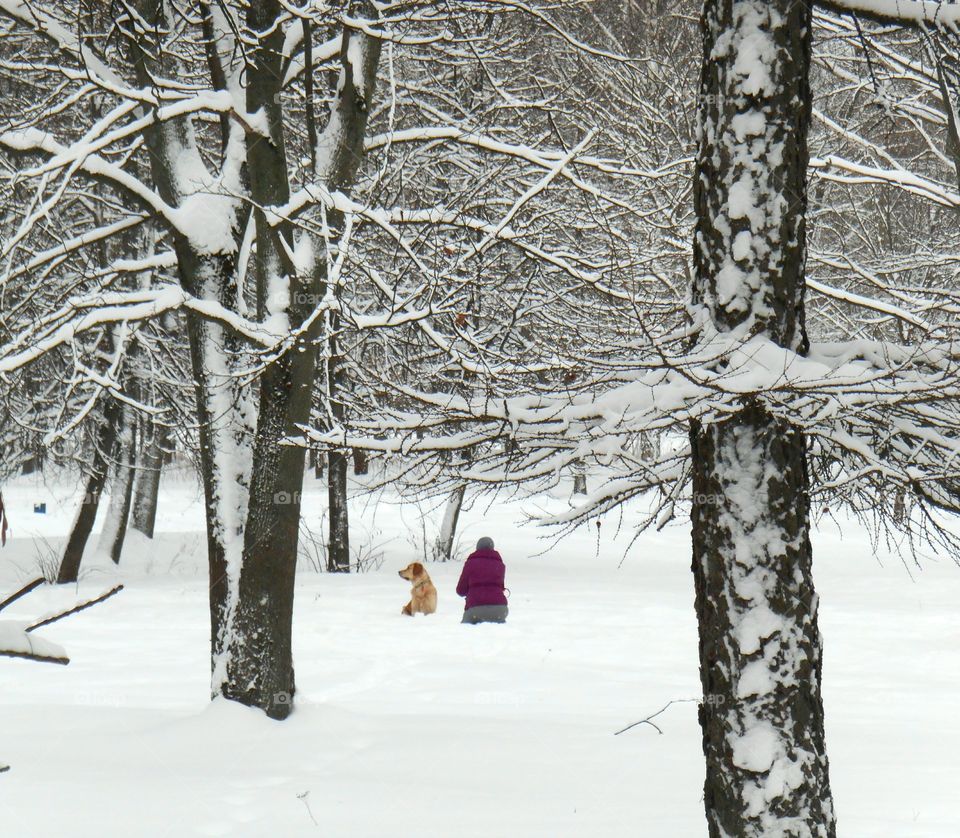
(416, 568)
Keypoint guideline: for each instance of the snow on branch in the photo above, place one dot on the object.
(46, 621)
(34, 140)
(16, 640)
(540, 157)
(883, 409)
(908, 181)
(99, 309)
(16, 643)
(37, 18)
(919, 12)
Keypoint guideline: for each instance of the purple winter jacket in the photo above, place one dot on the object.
(481, 580)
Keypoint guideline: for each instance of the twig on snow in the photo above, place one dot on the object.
(647, 721)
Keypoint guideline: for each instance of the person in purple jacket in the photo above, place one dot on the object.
(481, 582)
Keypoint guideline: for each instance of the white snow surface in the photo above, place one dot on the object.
(426, 727)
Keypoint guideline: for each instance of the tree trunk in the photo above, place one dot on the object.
(760, 647)
(82, 526)
(579, 483)
(146, 494)
(361, 461)
(259, 670)
(225, 435)
(118, 512)
(762, 712)
(104, 441)
(448, 528)
(253, 500)
(259, 660)
(225, 416)
(338, 545)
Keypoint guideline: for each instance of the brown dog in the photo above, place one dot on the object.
(423, 596)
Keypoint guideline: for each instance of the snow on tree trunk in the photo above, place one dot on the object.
(448, 527)
(118, 512)
(143, 516)
(760, 658)
(291, 278)
(259, 662)
(105, 438)
(226, 422)
(252, 480)
(207, 267)
(225, 426)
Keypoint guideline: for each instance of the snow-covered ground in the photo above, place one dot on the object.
(424, 727)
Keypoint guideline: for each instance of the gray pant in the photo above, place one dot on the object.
(485, 614)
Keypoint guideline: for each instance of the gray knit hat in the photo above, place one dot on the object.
(485, 543)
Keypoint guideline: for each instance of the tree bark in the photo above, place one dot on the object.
(259, 660)
(361, 461)
(114, 529)
(225, 417)
(147, 490)
(338, 544)
(448, 527)
(760, 647)
(104, 441)
(253, 499)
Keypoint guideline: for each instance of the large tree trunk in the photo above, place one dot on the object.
(225, 416)
(259, 660)
(259, 668)
(762, 712)
(104, 440)
(251, 480)
(114, 530)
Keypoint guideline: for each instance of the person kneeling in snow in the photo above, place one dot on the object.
(481, 582)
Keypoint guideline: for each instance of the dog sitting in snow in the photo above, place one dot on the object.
(423, 596)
